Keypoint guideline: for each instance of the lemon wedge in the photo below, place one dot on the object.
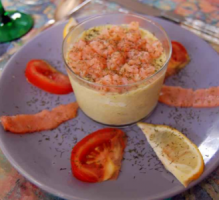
(71, 23)
(178, 154)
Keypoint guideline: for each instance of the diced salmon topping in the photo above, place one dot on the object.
(44, 120)
(180, 97)
(116, 60)
(117, 55)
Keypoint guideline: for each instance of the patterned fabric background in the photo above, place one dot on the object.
(12, 185)
(205, 10)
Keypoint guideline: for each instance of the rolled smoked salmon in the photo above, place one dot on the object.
(180, 97)
(44, 120)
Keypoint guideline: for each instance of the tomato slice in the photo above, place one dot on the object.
(98, 156)
(179, 52)
(45, 77)
(179, 59)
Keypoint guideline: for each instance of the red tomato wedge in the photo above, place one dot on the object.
(98, 156)
(179, 59)
(45, 77)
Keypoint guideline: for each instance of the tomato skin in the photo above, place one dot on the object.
(179, 52)
(47, 78)
(92, 173)
(179, 59)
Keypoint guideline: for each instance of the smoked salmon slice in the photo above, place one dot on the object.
(180, 97)
(205, 98)
(44, 120)
(176, 96)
